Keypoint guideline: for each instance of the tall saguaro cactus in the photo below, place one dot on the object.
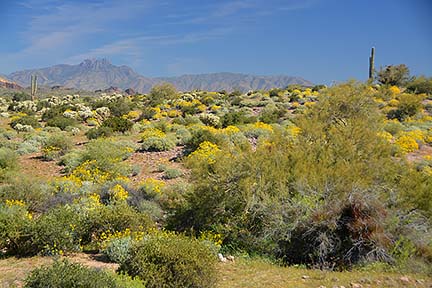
(33, 86)
(372, 64)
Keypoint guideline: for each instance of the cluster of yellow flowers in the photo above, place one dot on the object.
(108, 236)
(21, 205)
(206, 151)
(152, 185)
(293, 130)
(212, 237)
(14, 202)
(406, 144)
(132, 115)
(264, 126)
(89, 171)
(152, 132)
(119, 193)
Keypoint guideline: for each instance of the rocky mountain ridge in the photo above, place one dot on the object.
(99, 74)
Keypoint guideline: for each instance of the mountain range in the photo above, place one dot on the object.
(96, 74)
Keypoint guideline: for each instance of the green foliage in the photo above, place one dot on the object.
(61, 122)
(161, 92)
(154, 144)
(171, 173)
(118, 124)
(113, 218)
(98, 132)
(106, 154)
(56, 146)
(20, 96)
(66, 274)
(117, 249)
(397, 75)
(25, 120)
(235, 118)
(15, 226)
(120, 107)
(168, 260)
(271, 114)
(34, 192)
(420, 85)
(321, 192)
(409, 105)
(8, 160)
(57, 232)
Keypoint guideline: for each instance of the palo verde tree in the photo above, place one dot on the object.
(394, 75)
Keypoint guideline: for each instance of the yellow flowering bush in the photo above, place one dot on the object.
(386, 136)
(151, 186)
(261, 125)
(214, 238)
(406, 144)
(118, 193)
(393, 103)
(152, 132)
(206, 151)
(230, 130)
(394, 90)
(132, 115)
(293, 130)
(174, 113)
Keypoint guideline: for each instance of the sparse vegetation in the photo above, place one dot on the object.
(332, 178)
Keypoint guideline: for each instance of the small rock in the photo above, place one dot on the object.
(305, 277)
(221, 257)
(356, 285)
(404, 279)
(230, 258)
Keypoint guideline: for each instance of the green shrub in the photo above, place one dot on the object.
(58, 231)
(161, 92)
(117, 249)
(183, 136)
(168, 260)
(420, 85)
(102, 131)
(409, 105)
(66, 274)
(113, 218)
(157, 144)
(15, 227)
(34, 192)
(8, 160)
(118, 124)
(61, 122)
(396, 75)
(55, 146)
(25, 120)
(120, 107)
(20, 96)
(172, 173)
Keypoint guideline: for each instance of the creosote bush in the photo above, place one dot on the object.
(63, 273)
(169, 260)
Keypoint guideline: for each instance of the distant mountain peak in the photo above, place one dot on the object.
(98, 74)
(96, 63)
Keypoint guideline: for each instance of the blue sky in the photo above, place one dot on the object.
(320, 40)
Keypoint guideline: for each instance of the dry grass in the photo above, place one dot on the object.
(13, 270)
(241, 273)
(258, 273)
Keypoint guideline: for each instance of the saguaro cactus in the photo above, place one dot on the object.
(33, 86)
(372, 64)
